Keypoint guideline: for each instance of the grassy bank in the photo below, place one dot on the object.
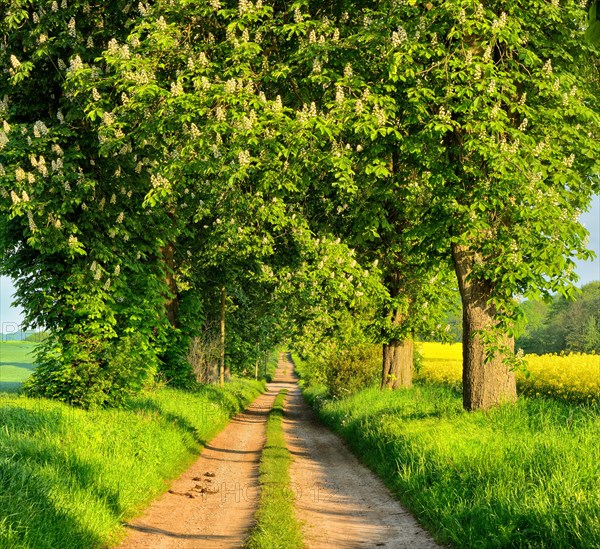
(522, 476)
(16, 363)
(276, 525)
(68, 478)
(271, 364)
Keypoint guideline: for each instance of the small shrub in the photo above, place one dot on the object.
(89, 372)
(312, 370)
(353, 369)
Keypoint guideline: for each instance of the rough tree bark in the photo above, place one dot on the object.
(222, 360)
(398, 354)
(398, 359)
(485, 384)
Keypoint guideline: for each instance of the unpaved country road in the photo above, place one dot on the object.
(221, 509)
(341, 503)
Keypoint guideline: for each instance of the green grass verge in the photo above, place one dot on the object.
(16, 364)
(69, 477)
(276, 524)
(272, 361)
(517, 476)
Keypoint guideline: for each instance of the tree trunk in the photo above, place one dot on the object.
(485, 384)
(222, 361)
(171, 300)
(398, 359)
(398, 354)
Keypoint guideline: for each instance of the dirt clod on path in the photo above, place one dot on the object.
(341, 503)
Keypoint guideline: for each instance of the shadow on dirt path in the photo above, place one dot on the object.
(213, 503)
(340, 502)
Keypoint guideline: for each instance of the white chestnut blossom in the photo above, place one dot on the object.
(75, 64)
(159, 181)
(569, 161)
(176, 89)
(220, 113)
(40, 129)
(20, 174)
(524, 124)
(32, 225)
(398, 37)
(244, 158)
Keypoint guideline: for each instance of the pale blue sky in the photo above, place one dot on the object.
(588, 271)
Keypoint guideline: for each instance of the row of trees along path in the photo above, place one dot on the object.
(315, 163)
(339, 501)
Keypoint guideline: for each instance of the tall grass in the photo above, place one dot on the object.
(69, 478)
(516, 476)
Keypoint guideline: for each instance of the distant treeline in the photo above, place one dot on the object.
(32, 336)
(561, 325)
(552, 327)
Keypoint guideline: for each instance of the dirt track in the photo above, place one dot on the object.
(203, 511)
(341, 503)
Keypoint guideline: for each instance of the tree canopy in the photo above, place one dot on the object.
(562, 325)
(329, 160)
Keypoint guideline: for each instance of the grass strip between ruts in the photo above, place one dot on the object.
(276, 524)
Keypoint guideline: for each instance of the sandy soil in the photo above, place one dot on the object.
(340, 502)
(213, 503)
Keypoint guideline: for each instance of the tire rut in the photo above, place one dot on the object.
(340, 502)
(212, 504)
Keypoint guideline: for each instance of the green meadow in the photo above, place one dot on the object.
(16, 363)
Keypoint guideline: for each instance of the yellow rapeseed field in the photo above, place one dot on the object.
(442, 363)
(574, 376)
